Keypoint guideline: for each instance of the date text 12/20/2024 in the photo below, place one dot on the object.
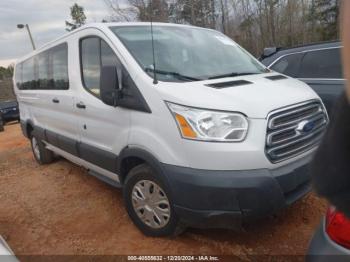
(173, 258)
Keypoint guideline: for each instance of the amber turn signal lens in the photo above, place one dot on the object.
(185, 127)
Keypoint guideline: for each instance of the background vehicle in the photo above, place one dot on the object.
(1, 123)
(332, 240)
(208, 138)
(318, 65)
(6, 253)
(9, 111)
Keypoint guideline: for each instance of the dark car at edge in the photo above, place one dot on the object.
(318, 65)
(9, 111)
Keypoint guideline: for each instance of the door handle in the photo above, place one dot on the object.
(55, 100)
(81, 105)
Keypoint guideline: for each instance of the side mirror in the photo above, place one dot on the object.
(109, 85)
(269, 51)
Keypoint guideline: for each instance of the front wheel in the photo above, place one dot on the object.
(149, 204)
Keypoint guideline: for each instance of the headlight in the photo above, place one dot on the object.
(208, 125)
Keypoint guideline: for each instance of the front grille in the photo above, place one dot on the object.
(294, 130)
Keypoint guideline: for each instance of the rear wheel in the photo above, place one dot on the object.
(149, 204)
(41, 154)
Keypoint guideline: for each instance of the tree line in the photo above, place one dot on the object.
(254, 24)
(6, 72)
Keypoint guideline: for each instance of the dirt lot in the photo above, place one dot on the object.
(59, 209)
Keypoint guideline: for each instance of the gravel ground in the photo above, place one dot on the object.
(58, 209)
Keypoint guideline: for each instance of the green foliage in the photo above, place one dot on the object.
(78, 17)
(6, 73)
(326, 12)
(255, 24)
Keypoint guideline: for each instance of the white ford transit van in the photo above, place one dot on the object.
(195, 130)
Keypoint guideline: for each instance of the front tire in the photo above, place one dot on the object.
(41, 154)
(149, 204)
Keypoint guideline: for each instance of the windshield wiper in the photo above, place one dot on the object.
(174, 74)
(233, 75)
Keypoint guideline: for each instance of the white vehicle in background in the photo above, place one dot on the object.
(194, 129)
(6, 254)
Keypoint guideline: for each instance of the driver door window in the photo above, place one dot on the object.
(95, 53)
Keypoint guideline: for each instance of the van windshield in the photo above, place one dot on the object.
(186, 53)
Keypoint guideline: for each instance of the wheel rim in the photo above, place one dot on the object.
(151, 204)
(36, 149)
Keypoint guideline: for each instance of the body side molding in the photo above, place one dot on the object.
(96, 170)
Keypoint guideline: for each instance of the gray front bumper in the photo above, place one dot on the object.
(226, 199)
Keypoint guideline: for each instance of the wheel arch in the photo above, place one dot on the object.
(134, 156)
(27, 127)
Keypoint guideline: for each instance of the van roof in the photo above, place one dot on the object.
(101, 26)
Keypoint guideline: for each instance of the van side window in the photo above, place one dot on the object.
(47, 70)
(43, 70)
(288, 65)
(322, 64)
(59, 60)
(90, 63)
(95, 53)
(28, 75)
(18, 75)
(108, 58)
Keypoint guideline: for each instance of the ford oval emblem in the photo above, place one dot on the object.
(305, 126)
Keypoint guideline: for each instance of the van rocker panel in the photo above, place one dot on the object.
(91, 154)
(98, 157)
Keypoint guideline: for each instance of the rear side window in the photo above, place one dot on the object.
(43, 70)
(47, 70)
(59, 60)
(28, 75)
(18, 75)
(288, 65)
(95, 53)
(322, 64)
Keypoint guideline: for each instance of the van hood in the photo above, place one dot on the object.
(255, 99)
